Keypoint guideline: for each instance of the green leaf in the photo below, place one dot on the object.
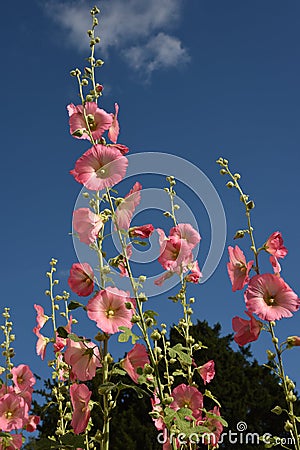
(75, 338)
(178, 350)
(62, 332)
(106, 387)
(126, 334)
(118, 371)
(74, 305)
(140, 392)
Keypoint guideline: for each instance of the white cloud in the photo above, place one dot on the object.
(138, 28)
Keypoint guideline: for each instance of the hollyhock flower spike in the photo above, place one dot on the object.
(270, 297)
(81, 279)
(125, 210)
(108, 309)
(100, 167)
(135, 358)
(84, 358)
(114, 129)
(187, 397)
(207, 371)
(274, 245)
(238, 268)
(80, 397)
(99, 120)
(246, 330)
(87, 225)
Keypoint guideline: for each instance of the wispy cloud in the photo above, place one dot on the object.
(139, 29)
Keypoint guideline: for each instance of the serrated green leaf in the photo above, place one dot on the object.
(118, 371)
(126, 335)
(74, 337)
(178, 350)
(107, 387)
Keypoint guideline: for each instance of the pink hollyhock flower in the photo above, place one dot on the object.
(274, 245)
(100, 167)
(135, 358)
(122, 148)
(32, 423)
(80, 397)
(207, 371)
(270, 297)
(84, 358)
(13, 412)
(246, 330)
(22, 377)
(216, 428)
(107, 308)
(98, 119)
(114, 129)
(185, 231)
(142, 232)
(275, 264)
(14, 442)
(238, 268)
(125, 210)
(175, 254)
(195, 273)
(87, 225)
(187, 397)
(81, 279)
(41, 343)
(41, 318)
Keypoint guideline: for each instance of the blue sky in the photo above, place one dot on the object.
(194, 79)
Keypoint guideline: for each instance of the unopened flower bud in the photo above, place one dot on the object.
(135, 318)
(99, 62)
(277, 410)
(288, 426)
(99, 88)
(223, 172)
(230, 184)
(155, 335)
(293, 341)
(270, 355)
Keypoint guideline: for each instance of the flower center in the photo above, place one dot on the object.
(110, 313)
(270, 300)
(101, 173)
(8, 414)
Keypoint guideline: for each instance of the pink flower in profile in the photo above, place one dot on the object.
(41, 318)
(185, 231)
(41, 343)
(238, 268)
(125, 210)
(142, 232)
(135, 359)
(156, 406)
(274, 245)
(84, 358)
(87, 225)
(107, 308)
(187, 397)
(216, 428)
(275, 264)
(32, 423)
(13, 412)
(80, 397)
(165, 276)
(207, 371)
(98, 119)
(22, 377)
(270, 297)
(13, 442)
(114, 129)
(195, 273)
(100, 167)
(81, 279)
(246, 330)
